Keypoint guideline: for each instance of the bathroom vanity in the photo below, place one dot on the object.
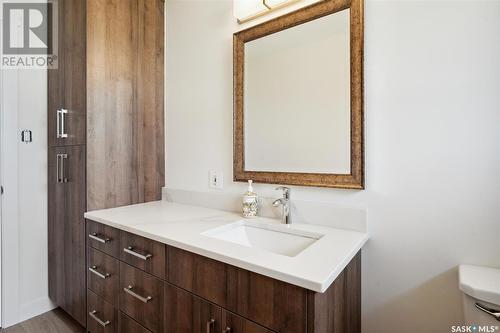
(168, 267)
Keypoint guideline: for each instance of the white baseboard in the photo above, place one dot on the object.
(35, 308)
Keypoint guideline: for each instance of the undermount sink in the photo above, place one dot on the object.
(273, 238)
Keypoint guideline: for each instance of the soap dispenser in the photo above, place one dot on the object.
(250, 202)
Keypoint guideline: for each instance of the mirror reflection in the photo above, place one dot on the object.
(297, 107)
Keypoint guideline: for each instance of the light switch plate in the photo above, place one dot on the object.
(216, 179)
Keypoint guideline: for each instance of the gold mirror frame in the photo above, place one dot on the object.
(354, 180)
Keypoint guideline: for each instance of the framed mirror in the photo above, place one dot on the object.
(298, 98)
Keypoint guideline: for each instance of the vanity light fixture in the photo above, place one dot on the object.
(246, 10)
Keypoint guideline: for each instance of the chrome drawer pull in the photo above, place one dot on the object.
(130, 250)
(491, 312)
(129, 291)
(210, 324)
(104, 276)
(100, 240)
(92, 314)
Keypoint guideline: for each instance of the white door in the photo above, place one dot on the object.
(23, 174)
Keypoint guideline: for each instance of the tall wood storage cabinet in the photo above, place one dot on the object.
(105, 127)
(66, 163)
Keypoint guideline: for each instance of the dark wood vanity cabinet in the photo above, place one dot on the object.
(168, 290)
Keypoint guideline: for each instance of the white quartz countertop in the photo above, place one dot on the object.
(182, 226)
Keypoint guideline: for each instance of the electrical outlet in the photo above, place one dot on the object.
(216, 179)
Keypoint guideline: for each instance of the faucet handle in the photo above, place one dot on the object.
(286, 191)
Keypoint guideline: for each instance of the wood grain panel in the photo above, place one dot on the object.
(254, 296)
(156, 262)
(125, 117)
(203, 276)
(277, 305)
(338, 310)
(149, 314)
(66, 85)
(66, 228)
(74, 234)
(56, 230)
(128, 325)
(104, 311)
(107, 288)
(238, 324)
(186, 313)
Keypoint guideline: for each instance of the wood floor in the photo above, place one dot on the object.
(55, 321)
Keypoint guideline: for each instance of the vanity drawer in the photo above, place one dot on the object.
(202, 276)
(103, 275)
(104, 238)
(141, 297)
(102, 317)
(143, 253)
(259, 298)
(128, 325)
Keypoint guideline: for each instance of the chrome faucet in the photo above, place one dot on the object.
(286, 213)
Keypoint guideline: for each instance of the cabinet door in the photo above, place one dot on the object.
(67, 230)
(186, 313)
(232, 323)
(67, 84)
(56, 228)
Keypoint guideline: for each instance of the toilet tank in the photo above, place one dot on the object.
(481, 297)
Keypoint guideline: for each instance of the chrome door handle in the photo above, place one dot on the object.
(227, 330)
(60, 168)
(491, 312)
(130, 250)
(143, 299)
(210, 324)
(101, 322)
(100, 240)
(60, 124)
(94, 270)
(58, 171)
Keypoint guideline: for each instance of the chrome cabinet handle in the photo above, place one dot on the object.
(103, 276)
(210, 324)
(130, 250)
(101, 322)
(491, 312)
(227, 330)
(143, 299)
(60, 168)
(100, 240)
(60, 124)
(58, 171)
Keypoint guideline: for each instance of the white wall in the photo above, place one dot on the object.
(432, 144)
